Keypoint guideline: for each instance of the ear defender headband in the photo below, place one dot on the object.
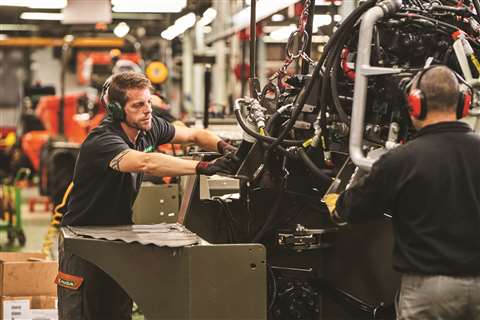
(417, 100)
(114, 108)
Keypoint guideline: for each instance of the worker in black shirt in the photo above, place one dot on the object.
(107, 178)
(431, 185)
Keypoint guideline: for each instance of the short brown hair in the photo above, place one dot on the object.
(440, 87)
(123, 81)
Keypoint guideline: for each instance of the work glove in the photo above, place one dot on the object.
(226, 165)
(330, 201)
(224, 148)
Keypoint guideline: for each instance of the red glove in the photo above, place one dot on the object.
(227, 164)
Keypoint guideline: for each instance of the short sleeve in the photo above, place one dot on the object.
(162, 131)
(101, 148)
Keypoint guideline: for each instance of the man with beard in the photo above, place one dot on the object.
(107, 177)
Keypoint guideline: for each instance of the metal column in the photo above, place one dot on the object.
(187, 71)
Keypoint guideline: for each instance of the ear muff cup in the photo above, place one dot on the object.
(417, 101)
(116, 110)
(464, 104)
(417, 104)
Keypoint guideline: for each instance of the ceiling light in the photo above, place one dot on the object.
(278, 17)
(18, 27)
(283, 33)
(35, 4)
(180, 26)
(148, 5)
(321, 20)
(68, 38)
(41, 16)
(121, 29)
(265, 8)
(327, 2)
(208, 16)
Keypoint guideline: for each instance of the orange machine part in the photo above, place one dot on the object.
(32, 143)
(74, 131)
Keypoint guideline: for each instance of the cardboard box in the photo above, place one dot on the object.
(27, 274)
(40, 314)
(43, 302)
(31, 308)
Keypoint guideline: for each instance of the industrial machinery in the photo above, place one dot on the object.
(306, 133)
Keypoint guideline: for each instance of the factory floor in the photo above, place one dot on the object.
(35, 225)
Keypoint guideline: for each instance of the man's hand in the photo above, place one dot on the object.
(224, 148)
(330, 201)
(227, 164)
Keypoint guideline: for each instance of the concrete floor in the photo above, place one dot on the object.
(35, 225)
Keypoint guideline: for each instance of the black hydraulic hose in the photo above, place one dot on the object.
(438, 23)
(476, 4)
(308, 30)
(258, 136)
(326, 84)
(342, 35)
(334, 87)
(319, 173)
(271, 121)
(303, 95)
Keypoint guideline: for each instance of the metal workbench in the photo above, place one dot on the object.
(171, 273)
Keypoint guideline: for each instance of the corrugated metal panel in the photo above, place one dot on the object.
(161, 235)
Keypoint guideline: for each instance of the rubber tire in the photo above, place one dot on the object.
(11, 235)
(21, 238)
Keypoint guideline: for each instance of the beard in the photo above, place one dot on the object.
(140, 125)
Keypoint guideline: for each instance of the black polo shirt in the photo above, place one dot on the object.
(432, 187)
(103, 196)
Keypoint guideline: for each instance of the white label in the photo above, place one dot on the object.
(13, 309)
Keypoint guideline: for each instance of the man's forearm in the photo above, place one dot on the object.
(207, 140)
(159, 164)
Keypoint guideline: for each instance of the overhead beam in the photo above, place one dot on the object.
(58, 42)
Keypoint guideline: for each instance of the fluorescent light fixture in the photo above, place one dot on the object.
(68, 38)
(180, 26)
(148, 5)
(47, 4)
(283, 33)
(265, 8)
(278, 17)
(41, 16)
(121, 30)
(321, 20)
(208, 16)
(35, 4)
(18, 27)
(186, 21)
(328, 2)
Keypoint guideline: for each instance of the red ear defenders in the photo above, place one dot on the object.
(417, 101)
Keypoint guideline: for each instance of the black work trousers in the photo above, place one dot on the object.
(85, 292)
